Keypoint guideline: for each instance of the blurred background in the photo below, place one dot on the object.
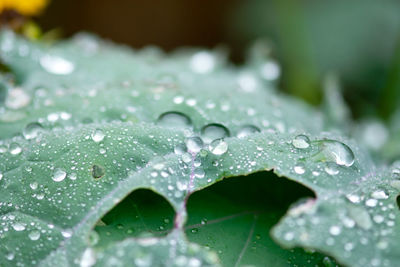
(358, 41)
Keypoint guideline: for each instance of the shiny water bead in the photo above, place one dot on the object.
(32, 130)
(299, 168)
(218, 147)
(56, 65)
(174, 119)
(98, 135)
(59, 175)
(213, 131)
(247, 130)
(331, 168)
(337, 152)
(179, 149)
(202, 62)
(301, 141)
(15, 149)
(194, 144)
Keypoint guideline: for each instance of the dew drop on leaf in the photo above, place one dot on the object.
(32, 130)
(34, 235)
(98, 135)
(174, 119)
(213, 131)
(15, 149)
(97, 171)
(59, 175)
(194, 144)
(247, 130)
(301, 141)
(179, 149)
(218, 147)
(331, 168)
(57, 65)
(299, 168)
(18, 227)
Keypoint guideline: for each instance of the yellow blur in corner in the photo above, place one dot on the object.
(24, 7)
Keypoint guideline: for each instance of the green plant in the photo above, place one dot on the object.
(84, 123)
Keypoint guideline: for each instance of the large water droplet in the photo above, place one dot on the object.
(247, 130)
(97, 171)
(218, 147)
(32, 130)
(179, 149)
(59, 175)
(18, 227)
(194, 144)
(57, 65)
(213, 131)
(301, 141)
(299, 168)
(337, 152)
(98, 135)
(174, 119)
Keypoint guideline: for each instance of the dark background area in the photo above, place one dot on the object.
(357, 40)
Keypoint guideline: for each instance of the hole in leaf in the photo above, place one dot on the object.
(398, 201)
(234, 218)
(97, 171)
(141, 213)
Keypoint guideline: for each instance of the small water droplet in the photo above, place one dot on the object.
(194, 144)
(97, 171)
(299, 168)
(179, 149)
(98, 135)
(247, 130)
(173, 119)
(15, 149)
(57, 65)
(199, 173)
(331, 168)
(213, 131)
(32, 130)
(301, 141)
(335, 230)
(34, 235)
(202, 62)
(59, 175)
(218, 147)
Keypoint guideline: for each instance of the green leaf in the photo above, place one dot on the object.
(86, 123)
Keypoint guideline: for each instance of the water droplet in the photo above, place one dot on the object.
(299, 168)
(179, 149)
(337, 152)
(199, 173)
(372, 202)
(34, 235)
(335, 230)
(57, 65)
(361, 216)
(202, 62)
(15, 149)
(59, 175)
(379, 194)
(194, 144)
(33, 185)
(98, 135)
(331, 168)
(1, 176)
(18, 227)
(88, 258)
(97, 171)
(32, 130)
(213, 131)
(218, 147)
(301, 141)
(17, 98)
(173, 119)
(247, 130)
